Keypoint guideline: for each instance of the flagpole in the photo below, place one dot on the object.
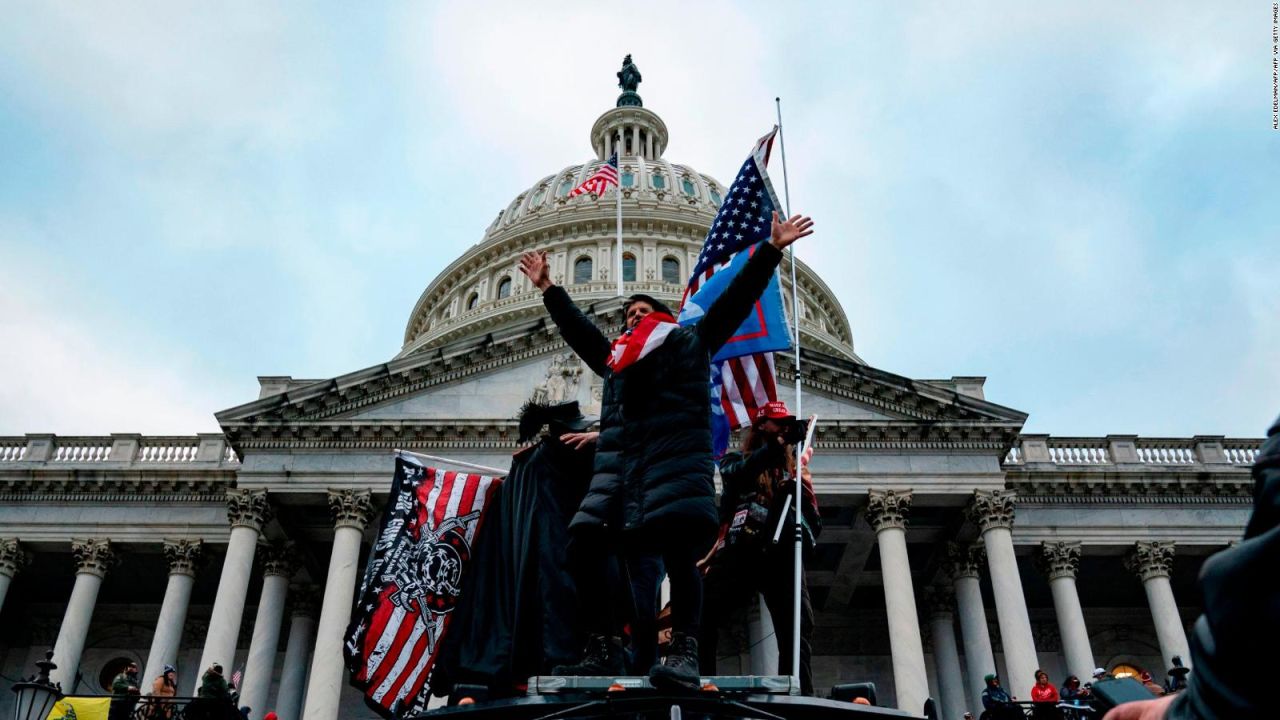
(455, 463)
(618, 191)
(795, 319)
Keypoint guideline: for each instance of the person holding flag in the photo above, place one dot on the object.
(758, 484)
(652, 482)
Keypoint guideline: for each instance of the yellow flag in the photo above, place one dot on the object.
(80, 708)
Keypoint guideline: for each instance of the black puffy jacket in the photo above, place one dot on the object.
(653, 456)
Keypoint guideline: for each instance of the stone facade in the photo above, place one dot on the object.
(223, 547)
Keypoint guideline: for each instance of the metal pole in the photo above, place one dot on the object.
(795, 319)
(618, 191)
(455, 463)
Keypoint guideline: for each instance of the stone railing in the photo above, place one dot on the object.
(1131, 450)
(117, 450)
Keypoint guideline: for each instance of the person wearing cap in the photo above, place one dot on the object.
(996, 701)
(744, 560)
(164, 686)
(652, 484)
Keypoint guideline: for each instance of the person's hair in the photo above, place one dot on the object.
(1039, 673)
(656, 304)
(1070, 679)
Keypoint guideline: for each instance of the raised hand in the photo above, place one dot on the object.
(786, 232)
(534, 266)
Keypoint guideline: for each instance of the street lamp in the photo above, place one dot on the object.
(37, 695)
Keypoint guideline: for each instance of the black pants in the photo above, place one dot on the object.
(603, 603)
(733, 582)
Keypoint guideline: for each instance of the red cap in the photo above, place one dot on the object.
(776, 410)
(271, 716)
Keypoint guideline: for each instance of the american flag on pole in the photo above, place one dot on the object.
(596, 184)
(412, 582)
(742, 373)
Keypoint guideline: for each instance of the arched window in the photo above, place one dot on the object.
(670, 270)
(582, 270)
(504, 288)
(715, 197)
(629, 268)
(659, 182)
(473, 301)
(687, 186)
(538, 196)
(628, 179)
(565, 187)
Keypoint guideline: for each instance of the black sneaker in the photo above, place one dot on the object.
(679, 669)
(603, 656)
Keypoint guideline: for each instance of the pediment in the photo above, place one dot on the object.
(480, 384)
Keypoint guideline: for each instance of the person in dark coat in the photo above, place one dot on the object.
(516, 617)
(652, 484)
(124, 692)
(1241, 618)
(997, 703)
(745, 561)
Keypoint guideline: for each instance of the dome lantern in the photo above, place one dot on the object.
(628, 128)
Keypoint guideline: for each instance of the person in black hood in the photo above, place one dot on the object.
(652, 485)
(518, 619)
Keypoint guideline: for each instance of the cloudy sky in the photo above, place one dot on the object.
(1075, 200)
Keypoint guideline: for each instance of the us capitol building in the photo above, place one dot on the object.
(954, 544)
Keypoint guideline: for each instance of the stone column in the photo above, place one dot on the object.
(183, 556)
(12, 559)
(351, 510)
(964, 562)
(1060, 563)
(941, 601)
(248, 511)
(278, 565)
(992, 511)
(302, 630)
(886, 511)
(1152, 562)
(93, 559)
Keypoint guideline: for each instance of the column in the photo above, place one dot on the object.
(12, 559)
(940, 601)
(648, 145)
(635, 139)
(302, 630)
(351, 510)
(992, 511)
(964, 562)
(248, 511)
(93, 559)
(1060, 563)
(278, 565)
(1152, 562)
(886, 511)
(183, 556)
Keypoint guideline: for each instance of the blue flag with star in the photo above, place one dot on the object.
(743, 222)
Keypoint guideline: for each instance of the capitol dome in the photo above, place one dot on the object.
(667, 209)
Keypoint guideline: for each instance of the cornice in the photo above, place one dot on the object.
(195, 485)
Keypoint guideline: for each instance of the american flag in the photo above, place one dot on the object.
(236, 677)
(411, 584)
(596, 184)
(739, 386)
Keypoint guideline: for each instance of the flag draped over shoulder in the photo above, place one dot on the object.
(742, 372)
(599, 182)
(412, 582)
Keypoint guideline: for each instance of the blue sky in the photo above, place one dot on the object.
(1075, 200)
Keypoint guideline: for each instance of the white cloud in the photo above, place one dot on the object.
(70, 369)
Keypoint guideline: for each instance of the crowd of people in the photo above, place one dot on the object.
(215, 698)
(1072, 700)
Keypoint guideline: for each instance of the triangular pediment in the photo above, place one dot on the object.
(481, 383)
